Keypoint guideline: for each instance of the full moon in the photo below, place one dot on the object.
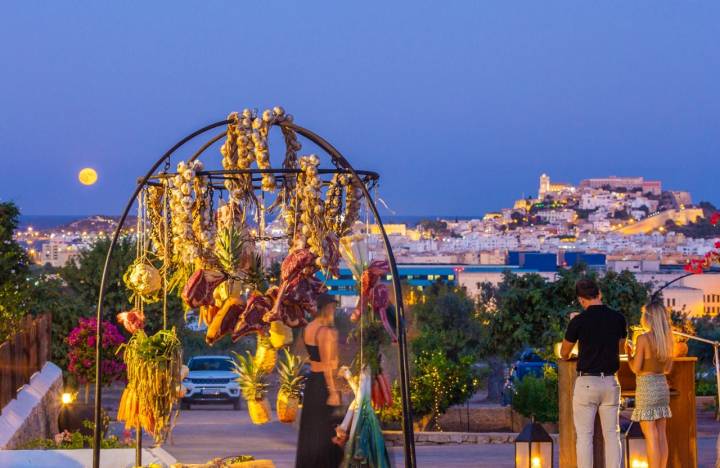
(87, 176)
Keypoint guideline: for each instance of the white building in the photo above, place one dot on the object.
(57, 252)
(557, 216)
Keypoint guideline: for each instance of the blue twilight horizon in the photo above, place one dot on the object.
(459, 105)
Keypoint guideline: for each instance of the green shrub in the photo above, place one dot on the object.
(437, 384)
(706, 387)
(73, 441)
(537, 398)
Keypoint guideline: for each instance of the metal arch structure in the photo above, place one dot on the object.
(341, 163)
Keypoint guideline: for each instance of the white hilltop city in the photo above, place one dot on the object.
(611, 224)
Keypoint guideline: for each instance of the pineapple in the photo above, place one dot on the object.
(280, 334)
(255, 273)
(265, 355)
(254, 387)
(228, 249)
(291, 385)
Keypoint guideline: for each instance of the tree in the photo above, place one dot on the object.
(14, 262)
(525, 313)
(620, 291)
(445, 346)
(436, 228)
(624, 293)
(14, 272)
(50, 294)
(530, 312)
(446, 321)
(83, 274)
(522, 311)
(707, 327)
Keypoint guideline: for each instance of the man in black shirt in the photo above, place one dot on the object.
(600, 333)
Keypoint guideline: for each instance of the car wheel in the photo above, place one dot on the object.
(237, 405)
(184, 405)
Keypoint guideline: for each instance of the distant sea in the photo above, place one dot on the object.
(51, 221)
(414, 220)
(46, 221)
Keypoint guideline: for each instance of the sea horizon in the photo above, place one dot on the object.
(42, 221)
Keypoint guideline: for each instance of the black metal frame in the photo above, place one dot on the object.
(341, 163)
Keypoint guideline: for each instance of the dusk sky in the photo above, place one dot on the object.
(460, 105)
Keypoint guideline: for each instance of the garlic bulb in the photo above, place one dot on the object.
(185, 250)
(352, 205)
(261, 127)
(203, 220)
(156, 213)
(312, 220)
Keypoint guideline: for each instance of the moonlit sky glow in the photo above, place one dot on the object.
(459, 105)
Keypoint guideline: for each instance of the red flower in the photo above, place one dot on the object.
(715, 218)
(695, 266)
(717, 245)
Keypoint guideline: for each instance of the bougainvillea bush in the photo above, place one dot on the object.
(698, 265)
(81, 357)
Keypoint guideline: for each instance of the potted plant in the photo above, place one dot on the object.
(254, 387)
(291, 385)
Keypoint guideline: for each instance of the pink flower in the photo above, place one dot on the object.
(91, 341)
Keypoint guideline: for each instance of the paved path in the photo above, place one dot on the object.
(219, 431)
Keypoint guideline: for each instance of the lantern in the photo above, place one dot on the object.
(635, 447)
(67, 398)
(533, 447)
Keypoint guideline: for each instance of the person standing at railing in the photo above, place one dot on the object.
(600, 333)
(651, 360)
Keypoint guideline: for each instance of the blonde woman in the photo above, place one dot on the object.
(650, 361)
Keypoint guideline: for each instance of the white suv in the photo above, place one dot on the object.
(211, 380)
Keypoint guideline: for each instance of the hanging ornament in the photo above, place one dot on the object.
(143, 280)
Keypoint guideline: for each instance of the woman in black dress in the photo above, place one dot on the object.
(317, 424)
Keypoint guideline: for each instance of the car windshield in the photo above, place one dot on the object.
(212, 364)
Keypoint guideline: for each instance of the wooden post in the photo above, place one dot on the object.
(18, 363)
(682, 427)
(5, 375)
(33, 347)
(23, 354)
(138, 445)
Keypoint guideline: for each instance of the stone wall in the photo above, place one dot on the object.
(490, 418)
(395, 438)
(34, 413)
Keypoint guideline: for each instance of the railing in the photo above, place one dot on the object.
(23, 354)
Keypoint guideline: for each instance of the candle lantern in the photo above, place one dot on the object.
(635, 447)
(533, 447)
